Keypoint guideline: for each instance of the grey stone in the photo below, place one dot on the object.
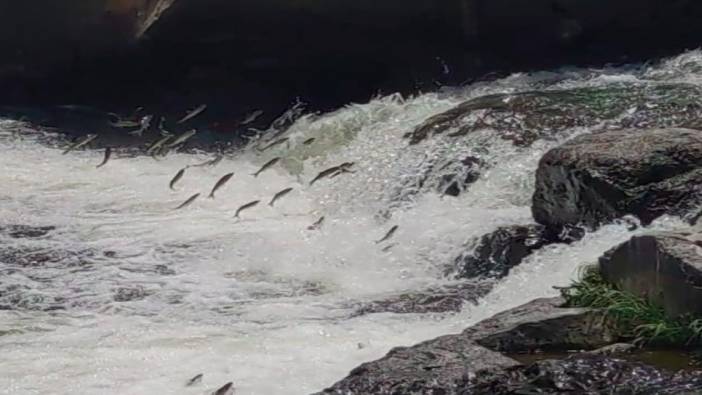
(665, 268)
(596, 178)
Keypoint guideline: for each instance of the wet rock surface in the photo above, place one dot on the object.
(25, 231)
(497, 252)
(596, 178)
(583, 374)
(444, 300)
(523, 118)
(443, 365)
(665, 268)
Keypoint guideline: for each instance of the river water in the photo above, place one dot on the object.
(128, 296)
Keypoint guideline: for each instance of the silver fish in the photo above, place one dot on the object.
(246, 206)
(317, 224)
(144, 125)
(252, 117)
(188, 202)
(220, 183)
(121, 123)
(80, 143)
(309, 141)
(158, 144)
(108, 154)
(182, 138)
(273, 144)
(195, 380)
(388, 235)
(226, 389)
(177, 178)
(266, 166)
(211, 162)
(332, 171)
(192, 114)
(279, 195)
(388, 247)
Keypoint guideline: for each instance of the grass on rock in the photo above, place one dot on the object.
(635, 318)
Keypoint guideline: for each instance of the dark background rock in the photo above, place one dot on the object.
(242, 54)
(665, 268)
(598, 177)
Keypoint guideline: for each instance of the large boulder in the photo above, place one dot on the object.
(443, 365)
(596, 178)
(665, 268)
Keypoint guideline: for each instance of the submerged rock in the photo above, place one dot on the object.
(598, 177)
(665, 268)
(443, 300)
(583, 374)
(444, 365)
(25, 231)
(501, 250)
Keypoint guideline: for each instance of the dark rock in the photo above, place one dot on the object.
(501, 250)
(469, 172)
(542, 325)
(130, 294)
(596, 178)
(444, 365)
(665, 268)
(25, 231)
(583, 374)
(444, 300)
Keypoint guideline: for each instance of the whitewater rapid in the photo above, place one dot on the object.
(138, 298)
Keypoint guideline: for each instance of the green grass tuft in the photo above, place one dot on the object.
(635, 318)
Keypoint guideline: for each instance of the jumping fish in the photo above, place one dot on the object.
(273, 144)
(211, 162)
(192, 114)
(121, 123)
(158, 144)
(279, 195)
(220, 183)
(226, 389)
(246, 206)
(108, 153)
(266, 166)
(309, 141)
(188, 202)
(317, 224)
(195, 380)
(80, 143)
(388, 247)
(332, 171)
(252, 117)
(388, 235)
(144, 125)
(182, 138)
(177, 178)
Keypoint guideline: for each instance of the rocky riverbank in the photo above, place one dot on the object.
(637, 167)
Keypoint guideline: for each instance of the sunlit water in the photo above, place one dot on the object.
(262, 301)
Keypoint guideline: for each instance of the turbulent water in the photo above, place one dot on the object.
(128, 296)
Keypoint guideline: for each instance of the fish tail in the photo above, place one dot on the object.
(211, 196)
